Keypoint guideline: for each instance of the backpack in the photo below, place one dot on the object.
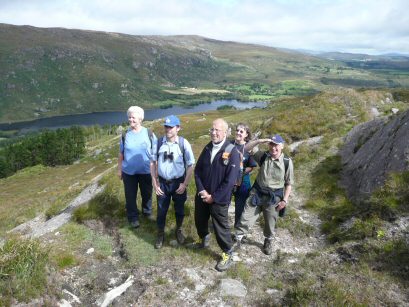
(150, 134)
(286, 159)
(226, 155)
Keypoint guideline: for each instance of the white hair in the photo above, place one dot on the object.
(140, 113)
(225, 125)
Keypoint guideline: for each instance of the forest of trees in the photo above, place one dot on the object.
(51, 147)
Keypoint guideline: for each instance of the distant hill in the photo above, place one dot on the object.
(386, 61)
(54, 71)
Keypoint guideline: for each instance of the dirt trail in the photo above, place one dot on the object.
(40, 226)
(143, 290)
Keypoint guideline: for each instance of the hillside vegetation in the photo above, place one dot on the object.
(358, 265)
(55, 71)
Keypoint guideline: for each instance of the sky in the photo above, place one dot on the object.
(357, 26)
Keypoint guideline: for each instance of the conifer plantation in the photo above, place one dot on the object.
(50, 148)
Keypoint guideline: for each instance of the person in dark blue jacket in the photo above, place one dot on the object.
(216, 173)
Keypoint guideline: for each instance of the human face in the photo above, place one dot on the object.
(275, 149)
(171, 132)
(134, 120)
(241, 135)
(217, 132)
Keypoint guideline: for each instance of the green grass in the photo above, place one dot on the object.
(241, 272)
(102, 223)
(295, 226)
(316, 280)
(72, 243)
(40, 189)
(65, 260)
(23, 273)
(366, 218)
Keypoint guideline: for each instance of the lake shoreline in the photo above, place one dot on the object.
(118, 117)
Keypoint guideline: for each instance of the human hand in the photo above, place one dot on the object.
(156, 186)
(182, 188)
(281, 205)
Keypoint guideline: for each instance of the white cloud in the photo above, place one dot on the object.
(348, 25)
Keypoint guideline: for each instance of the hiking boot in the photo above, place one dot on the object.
(135, 224)
(179, 236)
(149, 217)
(206, 241)
(202, 243)
(236, 242)
(267, 248)
(225, 262)
(159, 240)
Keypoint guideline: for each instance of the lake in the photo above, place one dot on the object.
(115, 118)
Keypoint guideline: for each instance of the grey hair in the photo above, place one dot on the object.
(140, 113)
(224, 124)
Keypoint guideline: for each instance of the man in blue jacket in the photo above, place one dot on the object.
(216, 173)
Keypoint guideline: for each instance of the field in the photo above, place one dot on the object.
(101, 224)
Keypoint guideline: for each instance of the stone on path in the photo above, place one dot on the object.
(232, 287)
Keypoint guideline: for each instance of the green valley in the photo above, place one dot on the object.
(54, 71)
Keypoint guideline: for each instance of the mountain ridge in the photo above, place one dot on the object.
(57, 71)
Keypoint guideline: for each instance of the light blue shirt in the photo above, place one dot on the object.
(168, 169)
(138, 151)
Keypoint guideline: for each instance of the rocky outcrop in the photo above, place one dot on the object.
(373, 150)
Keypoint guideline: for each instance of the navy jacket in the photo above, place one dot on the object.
(217, 178)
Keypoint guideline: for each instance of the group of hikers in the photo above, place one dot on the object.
(166, 165)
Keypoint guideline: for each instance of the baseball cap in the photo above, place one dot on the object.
(277, 139)
(171, 121)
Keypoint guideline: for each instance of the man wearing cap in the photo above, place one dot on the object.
(171, 170)
(270, 191)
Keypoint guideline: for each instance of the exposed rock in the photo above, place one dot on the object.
(310, 142)
(111, 295)
(232, 287)
(394, 110)
(195, 278)
(374, 112)
(90, 250)
(40, 226)
(371, 151)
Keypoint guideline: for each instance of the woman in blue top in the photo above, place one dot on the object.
(243, 135)
(136, 148)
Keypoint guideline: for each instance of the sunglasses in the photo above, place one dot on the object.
(240, 131)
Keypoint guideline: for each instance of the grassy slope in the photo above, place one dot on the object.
(328, 114)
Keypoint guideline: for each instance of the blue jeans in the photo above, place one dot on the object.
(131, 183)
(169, 188)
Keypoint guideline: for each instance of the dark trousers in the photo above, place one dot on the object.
(220, 219)
(131, 183)
(169, 188)
(240, 197)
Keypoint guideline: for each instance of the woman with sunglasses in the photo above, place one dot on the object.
(242, 189)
